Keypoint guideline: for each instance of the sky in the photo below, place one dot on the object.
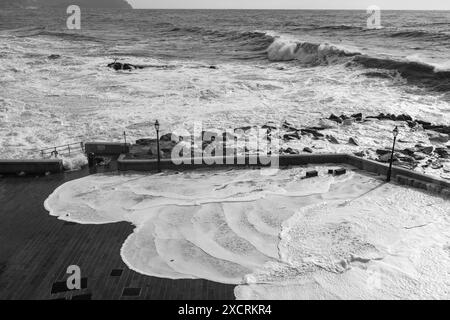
(293, 4)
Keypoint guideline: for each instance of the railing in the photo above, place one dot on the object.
(64, 150)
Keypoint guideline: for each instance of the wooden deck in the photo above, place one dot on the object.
(36, 249)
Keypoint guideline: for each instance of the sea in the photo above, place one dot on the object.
(224, 68)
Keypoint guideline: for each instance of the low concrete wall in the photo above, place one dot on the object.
(106, 148)
(401, 175)
(218, 162)
(31, 166)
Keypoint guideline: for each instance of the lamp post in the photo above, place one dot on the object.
(157, 143)
(395, 133)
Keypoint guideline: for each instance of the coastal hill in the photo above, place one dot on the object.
(23, 4)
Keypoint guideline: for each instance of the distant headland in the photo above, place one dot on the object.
(37, 4)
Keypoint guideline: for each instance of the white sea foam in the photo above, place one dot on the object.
(45, 102)
(328, 237)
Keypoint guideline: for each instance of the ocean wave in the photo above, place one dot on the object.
(257, 38)
(69, 36)
(425, 35)
(308, 53)
(418, 72)
(35, 31)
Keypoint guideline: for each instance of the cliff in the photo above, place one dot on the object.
(21, 4)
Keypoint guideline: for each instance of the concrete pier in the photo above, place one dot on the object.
(39, 166)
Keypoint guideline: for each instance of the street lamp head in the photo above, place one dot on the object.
(157, 125)
(395, 132)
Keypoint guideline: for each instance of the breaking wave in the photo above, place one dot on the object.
(313, 54)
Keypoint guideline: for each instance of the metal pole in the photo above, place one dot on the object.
(392, 160)
(159, 155)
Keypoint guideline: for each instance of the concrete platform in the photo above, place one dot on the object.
(31, 166)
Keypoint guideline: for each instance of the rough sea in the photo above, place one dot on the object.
(295, 66)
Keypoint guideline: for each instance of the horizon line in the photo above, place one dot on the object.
(290, 9)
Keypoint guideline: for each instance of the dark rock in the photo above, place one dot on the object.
(213, 67)
(404, 117)
(289, 151)
(357, 115)
(382, 152)
(407, 159)
(335, 118)
(54, 56)
(424, 123)
(407, 151)
(268, 126)
(243, 128)
(291, 136)
(360, 154)
(123, 66)
(353, 141)
(315, 133)
(439, 137)
(442, 152)
(344, 117)
(308, 150)
(419, 156)
(332, 139)
(288, 126)
(425, 149)
(411, 124)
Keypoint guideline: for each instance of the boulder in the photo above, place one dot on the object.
(439, 137)
(357, 115)
(353, 141)
(123, 66)
(269, 126)
(314, 132)
(335, 118)
(411, 124)
(404, 117)
(332, 139)
(407, 151)
(382, 152)
(425, 149)
(308, 150)
(424, 123)
(419, 156)
(442, 152)
(288, 126)
(291, 136)
(289, 151)
(246, 128)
